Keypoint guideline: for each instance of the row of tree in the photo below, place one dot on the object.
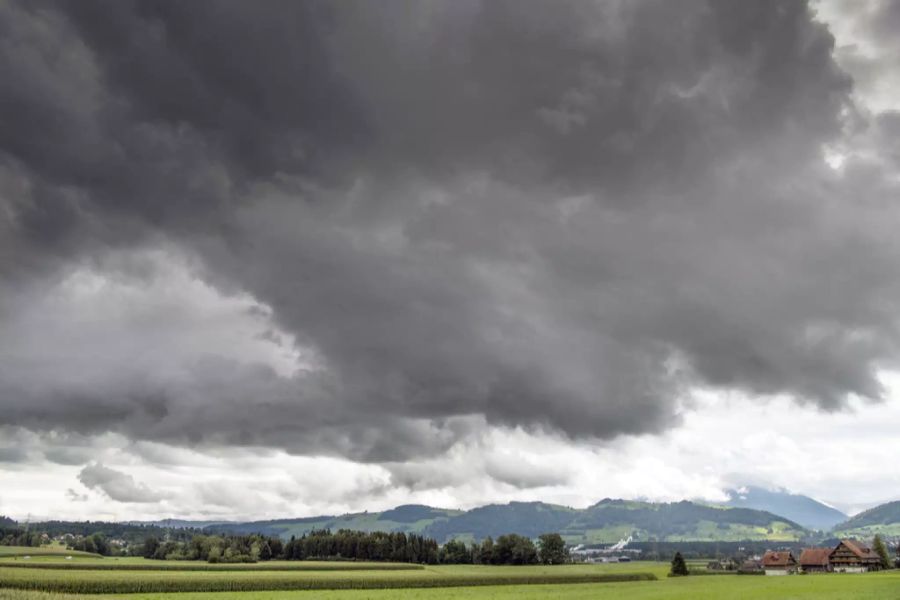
(510, 549)
(96, 543)
(346, 544)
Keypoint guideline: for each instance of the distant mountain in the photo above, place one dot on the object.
(530, 519)
(605, 522)
(179, 523)
(610, 520)
(410, 518)
(883, 519)
(804, 510)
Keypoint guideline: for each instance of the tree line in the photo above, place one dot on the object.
(190, 544)
(347, 544)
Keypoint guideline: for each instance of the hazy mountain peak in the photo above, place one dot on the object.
(804, 510)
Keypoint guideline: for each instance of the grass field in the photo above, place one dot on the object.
(339, 581)
(55, 551)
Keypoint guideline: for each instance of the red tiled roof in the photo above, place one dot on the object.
(815, 557)
(859, 550)
(778, 559)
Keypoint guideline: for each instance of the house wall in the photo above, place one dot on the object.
(850, 569)
(776, 572)
(815, 569)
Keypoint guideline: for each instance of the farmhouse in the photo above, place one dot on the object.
(779, 563)
(815, 560)
(853, 557)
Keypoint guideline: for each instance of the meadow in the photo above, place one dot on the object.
(51, 551)
(140, 579)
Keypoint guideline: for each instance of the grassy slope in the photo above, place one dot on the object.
(883, 519)
(611, 520)
(872, 586)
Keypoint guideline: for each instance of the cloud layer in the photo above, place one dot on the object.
(439, 217)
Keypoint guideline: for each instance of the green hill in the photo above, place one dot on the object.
(883, 519)
(611, 520)
(410, 518)
(605, 522)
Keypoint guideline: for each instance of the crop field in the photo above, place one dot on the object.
(140, 564)
(137, 579)
(124, 580)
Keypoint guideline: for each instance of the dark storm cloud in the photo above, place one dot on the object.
(13, 455)
(544, 214)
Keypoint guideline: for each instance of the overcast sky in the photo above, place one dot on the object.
(291, 258)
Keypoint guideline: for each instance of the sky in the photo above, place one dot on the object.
(298, 258)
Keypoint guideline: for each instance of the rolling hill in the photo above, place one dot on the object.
(883, 519)
(605, 522)
(410, 518)
(804, 510)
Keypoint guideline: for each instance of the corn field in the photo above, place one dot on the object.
(197, 566)
(164, 580)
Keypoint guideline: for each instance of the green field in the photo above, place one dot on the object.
(257, 579)
(54, 551)
(90, 563)
(139, 579)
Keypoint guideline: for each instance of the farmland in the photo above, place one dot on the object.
(126, 580)
(48, 551)
(139, 579)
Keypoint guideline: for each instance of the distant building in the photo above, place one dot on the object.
(815, 560)
(751, 565)
(722, 564)
(779, 563)
(851, 556)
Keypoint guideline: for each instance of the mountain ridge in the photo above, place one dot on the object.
(807, 511)
(607, 521)
(883, 519)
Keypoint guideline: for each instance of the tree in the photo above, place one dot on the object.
(455, 552)
(552, 549)
(881, 551)
(679, 567)
(151, 544)
(487, 551)
(100, 544)
(265, 552)
(513, 549)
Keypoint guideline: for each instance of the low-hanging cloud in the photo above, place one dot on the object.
(119, 486)
(553, 215)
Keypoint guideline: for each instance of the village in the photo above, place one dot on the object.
(849, 556)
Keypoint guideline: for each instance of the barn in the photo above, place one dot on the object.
(851, 556)
(815, 560)
(779, 563)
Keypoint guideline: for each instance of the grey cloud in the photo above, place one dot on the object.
(74, 496)
(67, 455)
(554, 215)
(520, 473)
(119, 486)
(13, 455)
